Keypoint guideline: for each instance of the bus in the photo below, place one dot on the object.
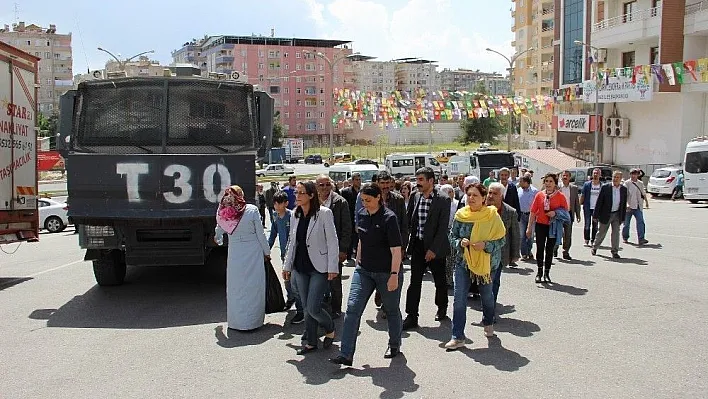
(695, 170)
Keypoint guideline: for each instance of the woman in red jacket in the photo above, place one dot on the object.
(543, 208)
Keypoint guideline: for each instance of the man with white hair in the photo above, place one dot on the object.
(510, 250)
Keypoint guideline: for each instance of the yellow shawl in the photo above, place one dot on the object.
(488, 226)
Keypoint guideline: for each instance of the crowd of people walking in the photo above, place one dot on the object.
(462, 231)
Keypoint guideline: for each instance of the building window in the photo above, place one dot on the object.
(298, 90)
(286, 115)
(654, 55)
(321, 114)
(656, 7)
(287, 90)
(297, 55)
(311, 126)
(321, 67)
(260, 78)
(299, 103)
(243, 53)
(628, 9)
(310, 90)
(287, 66)
(299, 127)
(573, 24)
(47, 55)
(286, 103)
(297, 115)
(628, 59)
(285, 54)
(308, 114)
(260, 65)
(322, 103)
(274, 89)
(297, 67)
(261, 54)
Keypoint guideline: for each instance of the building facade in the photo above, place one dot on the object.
(143, 66)
(300, 81)
(372, 75)
(466, 79)
(653, 32)
(55, 65)
(414, 73)
(534, 27)
(497, 85)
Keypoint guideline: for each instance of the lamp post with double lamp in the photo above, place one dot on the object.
(332, 64)
(596, 147)
(511, 62)
(121, 64)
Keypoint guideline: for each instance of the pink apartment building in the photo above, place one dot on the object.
(300, 81)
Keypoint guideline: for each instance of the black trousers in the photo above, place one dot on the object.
(418, 267)
(334, 301)
(262, 212)
(544, 246)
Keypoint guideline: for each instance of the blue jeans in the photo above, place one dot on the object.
(589, 223)
(459, 306)
(496, 281)
(639, 215)
(312, 287)
(292, 295)
(363, 284)
(526, 243)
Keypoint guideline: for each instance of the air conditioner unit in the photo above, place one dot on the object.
(617, 127)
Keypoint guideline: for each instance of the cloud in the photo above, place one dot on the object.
(427, 29)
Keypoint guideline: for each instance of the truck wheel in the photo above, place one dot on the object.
(109, 270)
(54, 224)
(693, 201)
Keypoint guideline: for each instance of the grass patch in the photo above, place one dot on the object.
(379, 152)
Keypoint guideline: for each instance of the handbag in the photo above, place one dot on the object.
(275, 302)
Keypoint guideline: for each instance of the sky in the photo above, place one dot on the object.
(453, 32)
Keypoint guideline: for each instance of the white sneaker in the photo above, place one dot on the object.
(455, 344)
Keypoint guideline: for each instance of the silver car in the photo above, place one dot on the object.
(663, 181)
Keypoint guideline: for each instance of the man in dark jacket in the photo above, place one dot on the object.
(269, 193)
(343, 225)
(511, 194)
(610, 211)
(350, 193)
(510, 250)
(428, 218)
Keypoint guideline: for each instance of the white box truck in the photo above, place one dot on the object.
(18, 146)
(294, 150)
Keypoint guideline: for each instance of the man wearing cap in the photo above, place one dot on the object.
(636, 195)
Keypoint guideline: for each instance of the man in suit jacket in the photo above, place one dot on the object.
(610, 211)
(343, 225)
(428, 217)
(510, 193)
(572, 195)
(350, 193)
(510, 250)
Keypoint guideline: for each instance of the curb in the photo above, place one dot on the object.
(51, 181)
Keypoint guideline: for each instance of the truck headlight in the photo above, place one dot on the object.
(99, 231)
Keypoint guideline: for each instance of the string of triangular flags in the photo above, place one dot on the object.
(403, 108)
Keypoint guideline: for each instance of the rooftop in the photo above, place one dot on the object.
(553, 158)
(275, 41)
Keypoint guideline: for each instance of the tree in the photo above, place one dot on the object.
(48, 127)
(278, 131)
(482, 130)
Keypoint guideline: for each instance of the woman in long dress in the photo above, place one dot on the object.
(245, 269)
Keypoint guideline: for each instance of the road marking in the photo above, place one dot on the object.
(10, 282)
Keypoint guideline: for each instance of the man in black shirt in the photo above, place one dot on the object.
(350, 193)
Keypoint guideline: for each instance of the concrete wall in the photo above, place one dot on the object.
(443, 132)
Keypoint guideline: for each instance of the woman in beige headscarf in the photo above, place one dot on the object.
(245, 269)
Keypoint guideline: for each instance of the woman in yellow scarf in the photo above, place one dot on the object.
(477, 236)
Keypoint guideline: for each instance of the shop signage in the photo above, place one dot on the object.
(574, 123)
(618, 90)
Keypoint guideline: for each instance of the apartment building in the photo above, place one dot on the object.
(534, 27)
(300, 74)
(55, 65)
(414, 73)
(372, 75)
(143, 66)
(496, 85)
(464, 79)
(644, 32)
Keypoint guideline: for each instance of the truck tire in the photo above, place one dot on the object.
(109, 270)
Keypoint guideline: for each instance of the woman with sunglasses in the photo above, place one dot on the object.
(543, 209)
(312, 258)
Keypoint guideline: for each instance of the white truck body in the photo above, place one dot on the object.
(695, 170)
(294, 150)
(18, 140)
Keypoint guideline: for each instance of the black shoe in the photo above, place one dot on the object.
(289, 304)
(615, 256)
(546, 277)
(336, 315)
(566, 255)
(306, 349)
(538, 277)
(643, 241)
(328, 341)
(298, 318)
(555, 253)
(410, 323)
(341, 360)
(441, 317)
(391, 353)
(593, 251)
(513, 264)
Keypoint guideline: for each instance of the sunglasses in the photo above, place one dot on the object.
(325, 184)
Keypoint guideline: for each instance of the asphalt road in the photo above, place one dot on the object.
(633, 328)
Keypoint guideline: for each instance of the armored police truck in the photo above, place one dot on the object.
(147, 160)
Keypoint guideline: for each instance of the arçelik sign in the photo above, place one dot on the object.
(574, 123)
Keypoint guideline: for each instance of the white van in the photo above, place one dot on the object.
(343, 171)
(695, 170)
(399, 165)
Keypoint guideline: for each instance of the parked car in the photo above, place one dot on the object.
(276, 169)
(53, 215)
(313, 158)
(663, 181)
(365, 161)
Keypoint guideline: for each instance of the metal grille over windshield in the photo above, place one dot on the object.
(197, 116)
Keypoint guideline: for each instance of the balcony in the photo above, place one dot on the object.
(513, 27)
(224, 59)
(548, 11)
(696, 19)
(638, 27)
(547, 31)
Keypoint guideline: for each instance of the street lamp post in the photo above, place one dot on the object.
(511, 62)
(121, 64)
(332, 64)
(596, 147)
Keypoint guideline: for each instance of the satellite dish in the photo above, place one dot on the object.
(97, 74)
(235, 75)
